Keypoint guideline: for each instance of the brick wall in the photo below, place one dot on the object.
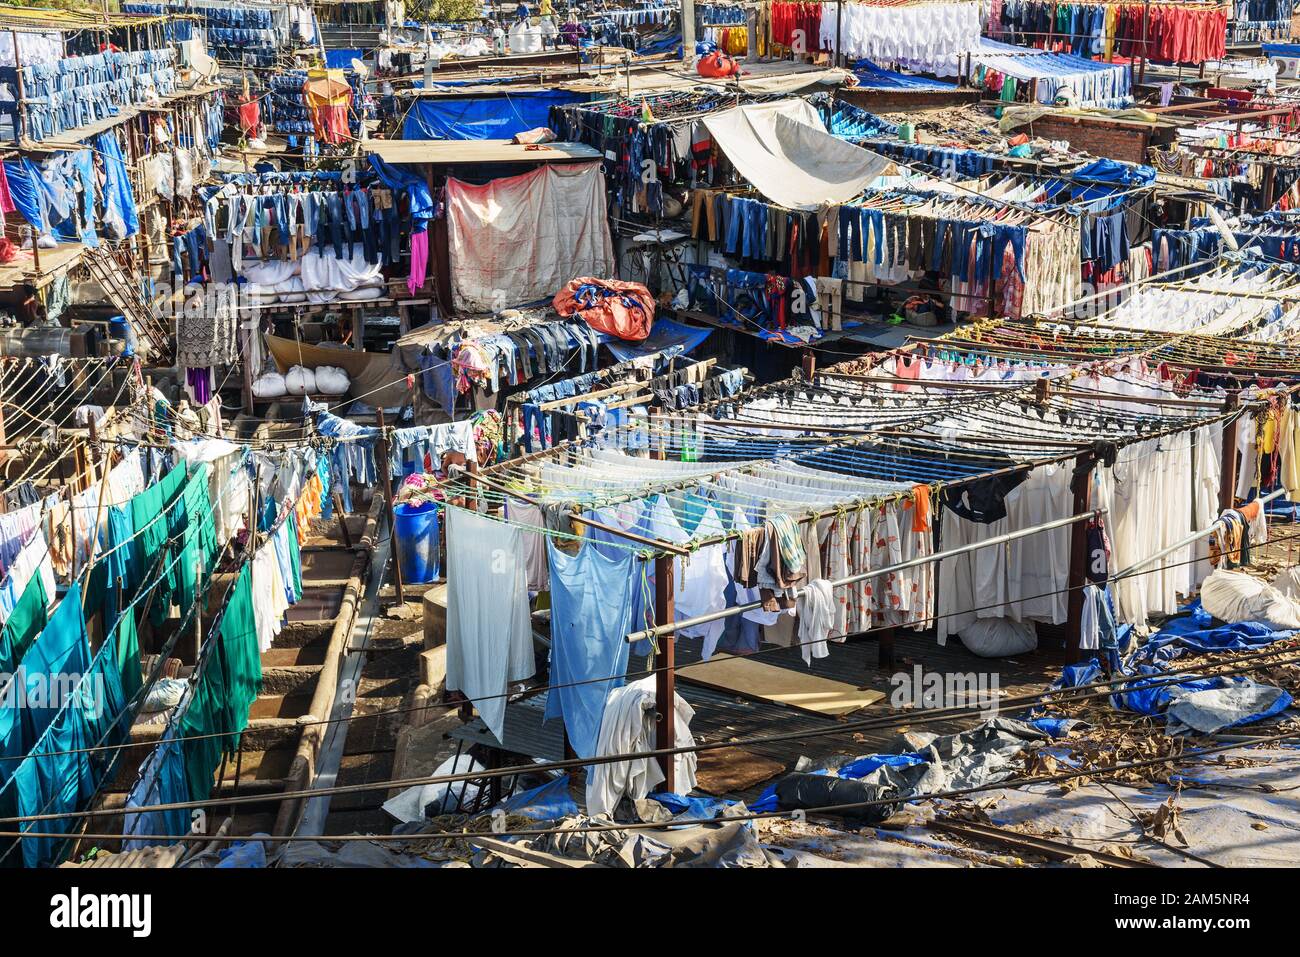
(1128, 144)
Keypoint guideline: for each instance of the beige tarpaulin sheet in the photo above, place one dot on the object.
(369, 371)
(784, 150)
(798, 689)
(1017, 116)
(521, 238)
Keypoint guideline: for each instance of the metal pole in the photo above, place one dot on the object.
(388, 505)
(1146, 18)
(666, 676)
(1183, 543)
(20, 136)
(1082, 487)
(672, 627)
(839, 33)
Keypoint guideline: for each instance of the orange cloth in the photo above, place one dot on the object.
(308, 507)
(920, 506)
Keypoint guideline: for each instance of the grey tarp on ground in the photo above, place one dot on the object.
(784, 150)
(1214, 709)
(980, 756)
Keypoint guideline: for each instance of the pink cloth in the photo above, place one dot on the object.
(419, 260)
(6, 201)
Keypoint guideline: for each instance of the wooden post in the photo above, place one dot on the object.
(343, 521)
(885, 641)
(1146, 19)
(21, 135)
(809, 364)
(665, 676)
(1082, 488)
(1228, 468)
(387, 477)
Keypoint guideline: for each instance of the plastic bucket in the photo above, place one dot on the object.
(416, 530)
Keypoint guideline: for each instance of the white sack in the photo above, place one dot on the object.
(331, 380)
(300, 381)
(409, 805)
(1234, 596)
(269, 385)
(999, 637)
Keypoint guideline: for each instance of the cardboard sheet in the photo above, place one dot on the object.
(755, 679)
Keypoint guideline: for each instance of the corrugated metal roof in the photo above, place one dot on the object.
(158, 856)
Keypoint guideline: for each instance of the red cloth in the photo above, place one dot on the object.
(789, 17)
(6, 201)
(250, 118)
(623, 309)
(1172, 34)
(328, 101)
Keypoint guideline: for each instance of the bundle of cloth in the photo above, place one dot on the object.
(622, 309)
(1233, 596)
(314, 278)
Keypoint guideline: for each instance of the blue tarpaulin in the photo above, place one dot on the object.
(664, 334)
(24, 187)
(1281, 49)
(873, 77)
(496, 116)
(692, 808)
(550, 802)
(1195, 632)
(1109, 171)
(119, 202)
(342, 59)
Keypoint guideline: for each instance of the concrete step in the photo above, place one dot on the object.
(435, 616)
(280, 706)
(289, 680)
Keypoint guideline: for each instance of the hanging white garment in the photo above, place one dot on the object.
(816, 615)
(489, 634)
(628, 726)
(270, 601)
(700, 585)
(1038, 566)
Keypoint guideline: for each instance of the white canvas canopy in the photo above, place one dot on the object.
(784, 150)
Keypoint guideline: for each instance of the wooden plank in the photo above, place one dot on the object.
(796, 689)
(478, 151)
(527, 856)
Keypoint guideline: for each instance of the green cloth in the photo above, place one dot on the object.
(203, 717)
(128, 656)
(199, 551)
(152, 535)
(295, 555)
(229, 680)
(243, 659)
(25, 624)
